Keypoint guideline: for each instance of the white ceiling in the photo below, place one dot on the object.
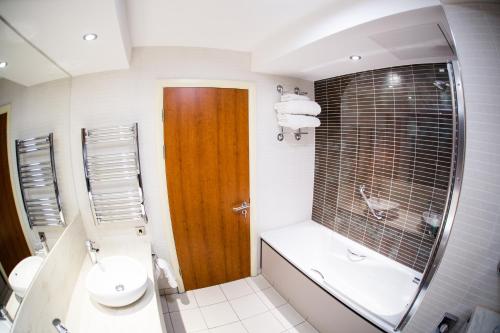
(399, 39)
(307, 39)
(57, 26)
(26, 65)
(223, 24)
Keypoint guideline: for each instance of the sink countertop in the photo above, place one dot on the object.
(145, 315)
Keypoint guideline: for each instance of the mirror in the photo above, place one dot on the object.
(34, 102)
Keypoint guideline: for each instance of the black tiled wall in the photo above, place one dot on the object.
(391, 131)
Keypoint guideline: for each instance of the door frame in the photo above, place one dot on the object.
(252, 144)
(16, 190)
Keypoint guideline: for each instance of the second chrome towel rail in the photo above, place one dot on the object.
(38, 181)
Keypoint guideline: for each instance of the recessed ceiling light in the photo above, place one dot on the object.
(89, 37)
(355, 57)
(3, 64)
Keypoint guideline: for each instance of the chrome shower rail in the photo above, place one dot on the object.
(114, 182)
(38, 181)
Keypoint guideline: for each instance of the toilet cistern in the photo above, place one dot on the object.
(92, 251)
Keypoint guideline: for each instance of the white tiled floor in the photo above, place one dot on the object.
(249, 305)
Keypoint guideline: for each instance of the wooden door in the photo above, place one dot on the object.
(206, 158)
(12, 241)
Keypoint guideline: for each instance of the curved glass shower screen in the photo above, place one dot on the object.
(455, 89)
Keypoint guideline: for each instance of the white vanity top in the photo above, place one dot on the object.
(145, 315)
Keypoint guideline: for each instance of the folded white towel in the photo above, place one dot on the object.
(298, 107)
(294, 97)
(296, 121)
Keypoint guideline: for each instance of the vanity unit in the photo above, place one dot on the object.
(144, 315)
(59, 290)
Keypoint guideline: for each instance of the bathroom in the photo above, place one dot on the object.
(249, 166)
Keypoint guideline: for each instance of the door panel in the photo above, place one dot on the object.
(206, 145)
(12, 241)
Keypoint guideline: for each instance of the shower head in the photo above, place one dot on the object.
(441, 85)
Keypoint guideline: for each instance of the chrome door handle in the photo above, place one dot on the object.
(244, 206)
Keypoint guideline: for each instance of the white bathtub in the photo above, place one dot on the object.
(376, 287)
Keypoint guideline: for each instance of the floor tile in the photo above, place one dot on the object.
(305, 327)
(218, 314)
(236, 289)
(258, 282)
(168, 323)
(164, 306)
(287, 316)
(271, 298)
(263, 323)
(188, 321)
(209, 296)
(231, 328)
(180, 302)
(248, 306)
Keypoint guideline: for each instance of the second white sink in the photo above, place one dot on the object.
(117, 281)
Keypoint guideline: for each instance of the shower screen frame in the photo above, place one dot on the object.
(455, 184)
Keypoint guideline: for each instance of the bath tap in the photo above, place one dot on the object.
(92, 251)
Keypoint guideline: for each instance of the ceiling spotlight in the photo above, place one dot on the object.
(355, 57)
(3, 64)
(89, 37)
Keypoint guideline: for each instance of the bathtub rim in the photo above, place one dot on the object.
(357, 310)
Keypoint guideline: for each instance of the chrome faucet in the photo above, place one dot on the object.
(92, 251)
(43, 241)
(59, 326)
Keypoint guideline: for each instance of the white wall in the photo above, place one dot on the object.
(283, 171)
(35, 111)
(467, 275)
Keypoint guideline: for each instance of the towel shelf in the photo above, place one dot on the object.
(113, 174)
(298, 133)
(38, 181)
(281, 90)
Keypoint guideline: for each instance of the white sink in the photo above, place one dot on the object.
(117, 281)
(23, 274)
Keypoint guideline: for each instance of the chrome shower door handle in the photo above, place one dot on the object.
(242, 208)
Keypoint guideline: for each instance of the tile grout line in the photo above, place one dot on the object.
(254, 292)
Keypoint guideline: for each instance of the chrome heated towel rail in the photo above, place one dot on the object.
(113, 174)
(38, 181)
